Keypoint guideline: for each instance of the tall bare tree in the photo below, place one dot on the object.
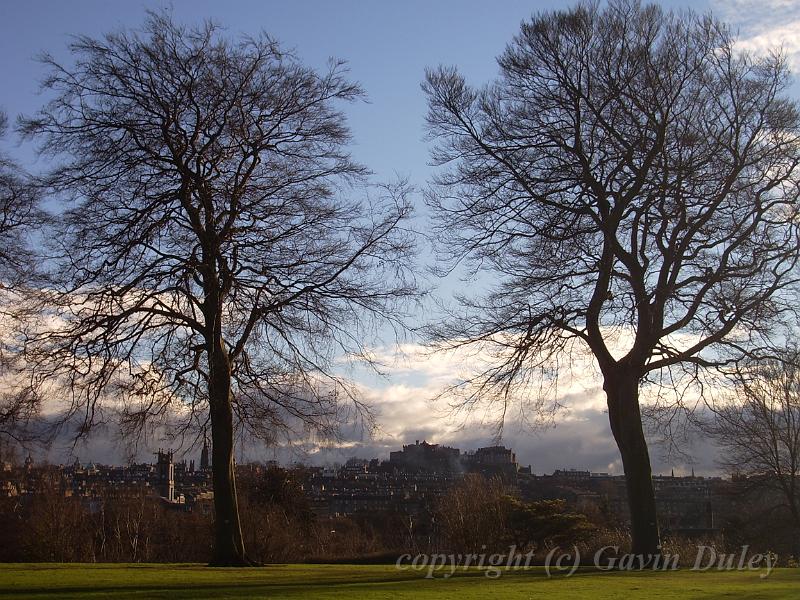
(630, 185)
(21, 218)
(211, 259)
(758, 428)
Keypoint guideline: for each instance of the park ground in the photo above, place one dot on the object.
(378, 582)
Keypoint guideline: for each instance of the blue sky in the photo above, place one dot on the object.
(388, 45)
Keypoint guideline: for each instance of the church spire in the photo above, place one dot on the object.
(204, 463)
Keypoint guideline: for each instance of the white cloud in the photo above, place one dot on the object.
(407, 410)
(764, 25)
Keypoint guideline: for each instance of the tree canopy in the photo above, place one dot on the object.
(630, 184)
(218, 251)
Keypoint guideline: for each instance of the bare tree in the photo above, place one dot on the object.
(210, 260)
(759, 428)
(629, 185)
(20, 214)
(21, 217)
(472, 515)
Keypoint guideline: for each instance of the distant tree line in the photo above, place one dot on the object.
(477, 515)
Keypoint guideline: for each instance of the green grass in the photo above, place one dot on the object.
(377, 582)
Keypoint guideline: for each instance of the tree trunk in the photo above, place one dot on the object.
(228, 548)
(622, 393)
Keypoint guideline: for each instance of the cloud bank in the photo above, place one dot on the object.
(764, 25)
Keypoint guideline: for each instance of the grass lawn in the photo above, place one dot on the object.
(374, 582)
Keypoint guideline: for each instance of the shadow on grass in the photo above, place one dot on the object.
(291, 582)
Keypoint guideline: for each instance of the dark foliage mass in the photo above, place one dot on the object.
(477, 515)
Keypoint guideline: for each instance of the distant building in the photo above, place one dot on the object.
(204, 462)
(356, 466)
(572, 474)
(686, 505)
(493, 460)
(426, 457)
(165, 475)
